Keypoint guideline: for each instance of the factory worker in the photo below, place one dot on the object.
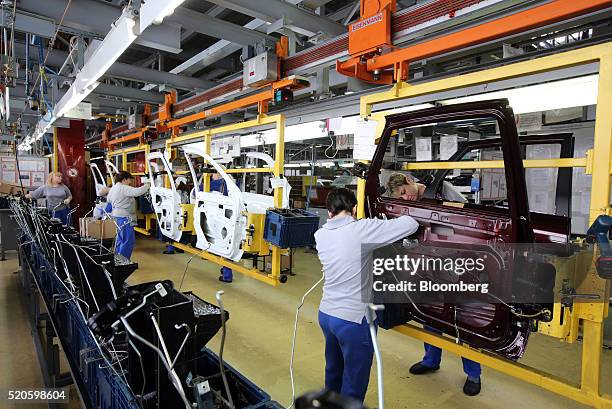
(402, 188)
(342, 312)
(122, 199)
(58, 197)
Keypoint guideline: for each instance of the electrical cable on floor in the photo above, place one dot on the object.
(295, 324)
(223, 334)
(185, 272)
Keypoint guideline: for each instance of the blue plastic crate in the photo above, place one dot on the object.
(104, 388)
(250, 396)
(290, 228)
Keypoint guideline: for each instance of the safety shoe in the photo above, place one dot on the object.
(420, 369)
(471, 388)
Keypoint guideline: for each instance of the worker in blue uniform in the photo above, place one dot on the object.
(217, 184)
(122, 198)
(345, 247)
(431, 363)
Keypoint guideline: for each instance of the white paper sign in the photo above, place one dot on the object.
(38, 178)
(225, 148)
(423, 149)
(529, 122)
(448, 146)
(493, 181)
(334, 124)
(365, 139)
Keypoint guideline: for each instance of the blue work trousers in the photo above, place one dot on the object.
(227, 274)
(433, 356)
(348, 355)
(126, 237)
(63, 215)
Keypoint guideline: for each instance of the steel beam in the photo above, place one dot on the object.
(27, 23)
(96, 17)
(213, 27)
(131, 72)
(133, 94)
(127, 71)
(18, 95)
(214, 53)
(273, 10)
(108, 105)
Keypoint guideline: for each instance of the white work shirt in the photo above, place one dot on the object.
(339, 243)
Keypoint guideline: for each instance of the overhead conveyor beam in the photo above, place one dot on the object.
(385, 68)
(427, 15)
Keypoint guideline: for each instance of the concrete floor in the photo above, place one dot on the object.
(259, 341)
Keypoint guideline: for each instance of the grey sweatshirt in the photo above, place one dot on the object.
(121, 197)
(55, 196)
(339, 244)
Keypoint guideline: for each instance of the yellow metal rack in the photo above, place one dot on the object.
(598, 163)
(124, 152)
(206, 136)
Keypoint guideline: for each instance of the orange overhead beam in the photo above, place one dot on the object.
(224, 108)
(555, 11)
(260, 99)
(136, 135)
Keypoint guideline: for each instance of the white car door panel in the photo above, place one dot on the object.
(112, 170)
(219, 221)
(99, 181)
(274, 181)
(166, 201)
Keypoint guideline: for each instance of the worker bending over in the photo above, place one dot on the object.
(401, 187)
(122, 199)
(345, 247)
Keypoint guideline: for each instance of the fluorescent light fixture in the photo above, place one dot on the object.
(122, 34)
(409, 108)
(154, 11)
(574, 92)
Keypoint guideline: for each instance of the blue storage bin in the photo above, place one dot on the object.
(105, 389)
(290, 228)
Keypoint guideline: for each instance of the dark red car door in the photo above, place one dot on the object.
(488, 321)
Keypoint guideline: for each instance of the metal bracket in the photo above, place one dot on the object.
(588, 170)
